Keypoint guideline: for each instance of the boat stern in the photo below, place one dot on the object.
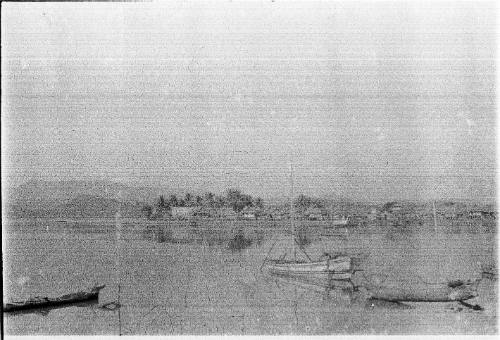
(340, 264)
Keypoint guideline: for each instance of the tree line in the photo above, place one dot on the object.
(303, 202)
(233, 198)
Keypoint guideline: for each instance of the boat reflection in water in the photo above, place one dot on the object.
(340, 290)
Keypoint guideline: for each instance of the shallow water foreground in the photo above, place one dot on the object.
(203, 287)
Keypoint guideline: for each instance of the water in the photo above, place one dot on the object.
(200, 285)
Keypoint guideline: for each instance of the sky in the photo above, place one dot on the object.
(372, 101)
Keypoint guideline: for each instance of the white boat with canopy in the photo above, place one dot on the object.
(335, 267)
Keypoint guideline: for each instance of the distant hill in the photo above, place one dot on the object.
(92, 206)
(82, 206)
(75, 199)
(59, 191)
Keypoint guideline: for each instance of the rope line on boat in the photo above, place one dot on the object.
(284, 255)
(302, 249)
(372, 276)
(267, 255)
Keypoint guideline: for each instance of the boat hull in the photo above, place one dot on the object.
(337, 268)
(51, 302)
(339, 223)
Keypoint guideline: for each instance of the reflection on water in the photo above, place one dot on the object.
(381, 304)
(192, 283)
(239, 242)
(332, 289)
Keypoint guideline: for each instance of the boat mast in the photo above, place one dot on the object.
(118, 268)
(434, 212)
(292, 217)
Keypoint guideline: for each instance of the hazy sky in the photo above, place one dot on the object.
(372, 101)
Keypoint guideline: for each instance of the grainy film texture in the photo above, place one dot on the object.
(249, 168)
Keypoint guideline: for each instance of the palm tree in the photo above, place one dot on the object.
(161, 202)
(209, 199)
(199, 200)
(173, 202)
(259, 203)
(219, 202)
(188, 199)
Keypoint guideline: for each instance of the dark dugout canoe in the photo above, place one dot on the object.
(46, 310)
(42, 302)
(458, 290)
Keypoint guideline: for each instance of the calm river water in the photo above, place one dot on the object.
(202, 286)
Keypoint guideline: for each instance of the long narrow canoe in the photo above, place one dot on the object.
(42, 302)
(436, 292)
